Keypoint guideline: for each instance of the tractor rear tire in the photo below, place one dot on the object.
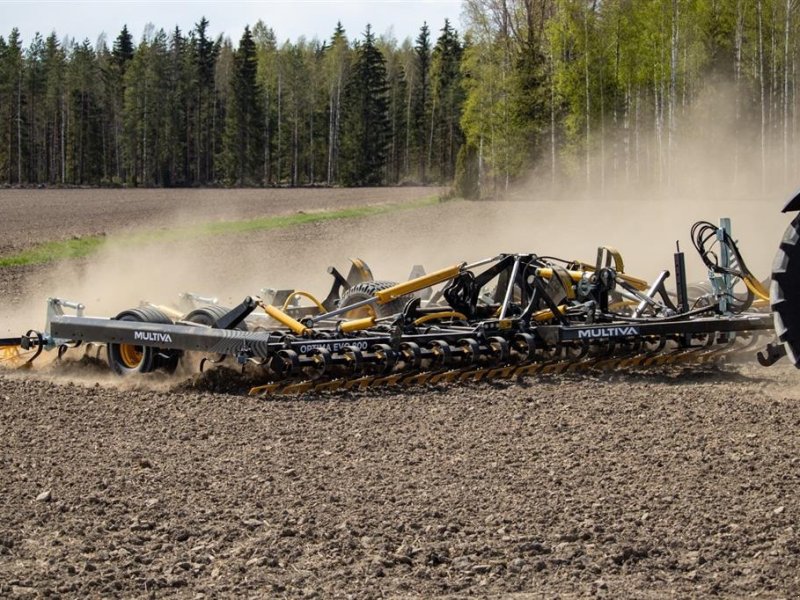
(785, 292)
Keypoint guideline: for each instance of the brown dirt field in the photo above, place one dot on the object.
(638, 485)
(34, 216)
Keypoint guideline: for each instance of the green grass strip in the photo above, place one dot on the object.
(79, 247)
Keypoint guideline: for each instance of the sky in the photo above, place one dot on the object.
(290, 20)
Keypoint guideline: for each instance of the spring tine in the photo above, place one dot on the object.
(388, 380)
(525, 370)
(329, 386)
(501, 372)
(267, 389)
(444, 376)
(295, 388)
(361, 383)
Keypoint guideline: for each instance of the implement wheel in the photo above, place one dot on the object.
(365, 291)
(126, 359)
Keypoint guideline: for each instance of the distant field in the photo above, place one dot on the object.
(29, 217)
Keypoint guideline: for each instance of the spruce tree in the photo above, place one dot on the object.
(55, 65)
(12, 108)
(448, 100)
(420, 99)
(242, 141)
(366, 124)
(205, 53)
(123, 48)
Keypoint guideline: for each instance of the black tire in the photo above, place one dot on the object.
(127, 359)
(208, 315)
(366, 290)
(785, 292)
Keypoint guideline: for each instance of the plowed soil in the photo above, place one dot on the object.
(678, 483)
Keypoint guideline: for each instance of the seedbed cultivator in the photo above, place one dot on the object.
(507, 316)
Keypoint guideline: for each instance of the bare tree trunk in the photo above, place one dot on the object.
(636, 152)
(673, 76)
(295, 150)
(602, 136)
(787, 25)
(63, 140)
(737, 69)
(329, 170)
(144, 139)
(588, 100)
(763, 104)
(333, 131)
(311, 146)
(552, 125)
(267, 138)
(280, 123)
(19, 128)
(430, 140)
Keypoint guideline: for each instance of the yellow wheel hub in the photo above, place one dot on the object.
(130, 355)
(10, 355)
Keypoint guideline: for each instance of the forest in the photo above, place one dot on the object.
(601, 94)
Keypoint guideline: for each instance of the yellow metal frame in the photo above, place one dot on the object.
(276, 313)
(447, 314)
(303, 294)
(415, 285)
(357, 324)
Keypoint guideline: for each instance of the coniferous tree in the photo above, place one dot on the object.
(84, 150)
(446, 136)
(55, 109)
(179, 98)
(12, 108)
(366, 123)
(205, 54)
(242, 139)
(35, 165)
(123, 48)
(420, 101)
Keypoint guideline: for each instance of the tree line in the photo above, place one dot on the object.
(598, 93)
(187, 109)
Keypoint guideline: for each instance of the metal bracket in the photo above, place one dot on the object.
(771, 354)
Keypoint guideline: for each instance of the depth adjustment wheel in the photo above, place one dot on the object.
(126, 359)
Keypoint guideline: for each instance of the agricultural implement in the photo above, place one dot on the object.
(506, 316)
